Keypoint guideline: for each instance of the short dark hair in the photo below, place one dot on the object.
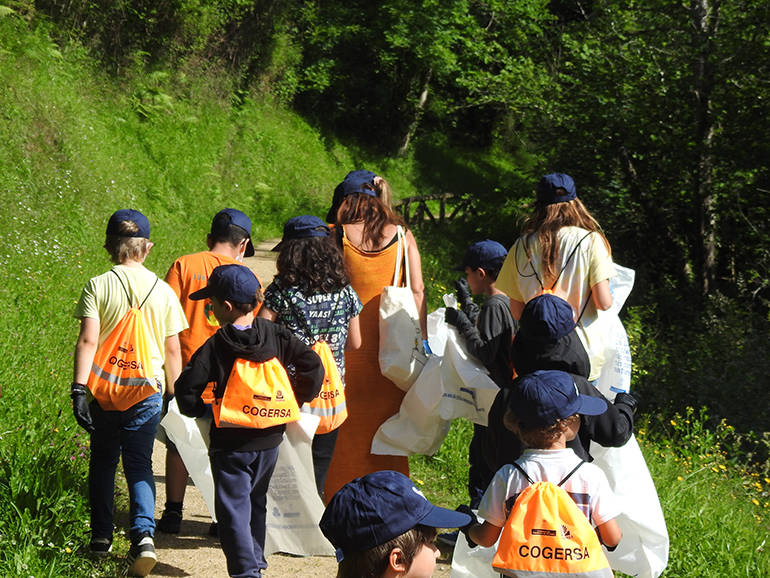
(233, 235)
(246, 308)
(373, 563)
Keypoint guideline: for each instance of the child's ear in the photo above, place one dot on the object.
(482, 273)
(396, 561)
(227, 305)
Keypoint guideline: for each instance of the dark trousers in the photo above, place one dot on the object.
(323, 450)
(241, 480)
(479, 473)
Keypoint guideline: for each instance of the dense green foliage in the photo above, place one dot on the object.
(180, 107)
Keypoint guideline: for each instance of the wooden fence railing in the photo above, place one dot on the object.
(416, 211)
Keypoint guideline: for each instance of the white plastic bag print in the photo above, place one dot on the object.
(191, 438)
(468, 390)
(418, 427)
(294, 507)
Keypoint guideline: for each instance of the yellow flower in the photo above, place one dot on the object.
(67, 550)
(721, 467)
(755, 502)
(420, 482)
(715, 469)
(673, 422)
(680, 478)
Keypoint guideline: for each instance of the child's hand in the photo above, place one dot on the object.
(458, 319)
(474, 520)
(463, 291)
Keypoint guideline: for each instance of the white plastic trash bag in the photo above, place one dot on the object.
(470, 562)
(468, 390)
(418, 427)
(294, 507)
(191, 438)
(643, 550)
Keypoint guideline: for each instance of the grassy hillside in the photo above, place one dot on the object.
(75, 145)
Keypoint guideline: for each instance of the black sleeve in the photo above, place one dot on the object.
(193, 380)
(500, 445)
(614, 427)
(309, 371)
(485, 340)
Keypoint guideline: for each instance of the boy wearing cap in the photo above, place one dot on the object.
(229, 242)
(545, 410)
(242, 459)
(383, 527)
(129, 433)
(547, 340)
(488, 334)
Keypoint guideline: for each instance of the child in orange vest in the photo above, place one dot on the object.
(544, 411)
(242, 458)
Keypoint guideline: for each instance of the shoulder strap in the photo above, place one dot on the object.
(572, 254)
(399, 259)
(569, 475)
(126, 290)
(531, 481)
(523, 473)
(529, 261)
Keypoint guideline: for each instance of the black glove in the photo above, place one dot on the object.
(627, 399)
(463, 291)
(458, 319)
(465, 300)
(80, 407)
(474, 520)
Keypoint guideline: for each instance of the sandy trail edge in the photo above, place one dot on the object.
(193, 552)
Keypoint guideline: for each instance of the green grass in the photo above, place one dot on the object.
(75, 145)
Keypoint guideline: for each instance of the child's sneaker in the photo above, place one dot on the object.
(170, 522)
(141, 556)
(100, 547)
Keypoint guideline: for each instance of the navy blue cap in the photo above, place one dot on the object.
(303, 227)
(546, 319)
(542, 398)
(118, 217)
(372, 510)
(487, 255)
(233, 283)
(237, 218)
(351, 184)
(548, 186)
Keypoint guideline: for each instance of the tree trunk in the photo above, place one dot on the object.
(705, 18)
(417, 114)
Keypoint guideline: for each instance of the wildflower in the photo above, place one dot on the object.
(68, 550)
(673, 423)
(420, 482)
(721, 467)
(680, 478)
(755, 502)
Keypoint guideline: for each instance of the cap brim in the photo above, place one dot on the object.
(590, 405)
(200, 294)
(442, 518)
(249, 252)
(278, 247)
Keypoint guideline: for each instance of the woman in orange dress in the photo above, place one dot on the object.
(366, 227)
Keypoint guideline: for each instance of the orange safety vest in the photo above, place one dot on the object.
(257, 395)
(546, 535)
(121, 373)
(330, 403)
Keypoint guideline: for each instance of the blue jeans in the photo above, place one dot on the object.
(132, 434)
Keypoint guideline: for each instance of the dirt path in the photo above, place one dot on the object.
(193, 552)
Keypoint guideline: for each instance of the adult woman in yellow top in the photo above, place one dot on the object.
(366, 228)
(562, 250)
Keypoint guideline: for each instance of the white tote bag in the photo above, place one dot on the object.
(402, 355)
(418, 427)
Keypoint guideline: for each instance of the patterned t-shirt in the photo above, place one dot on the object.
(319, 316)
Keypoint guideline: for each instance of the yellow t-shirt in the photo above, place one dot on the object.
(584, 261)
(104, 299)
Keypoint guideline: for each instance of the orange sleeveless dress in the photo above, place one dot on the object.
(371, 397)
